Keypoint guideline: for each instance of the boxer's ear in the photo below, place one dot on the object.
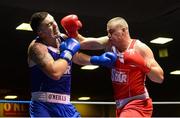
(39, 33)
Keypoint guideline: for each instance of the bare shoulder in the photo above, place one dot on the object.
(140, 44)
(143, 49)
(37, 52)
(36, 47)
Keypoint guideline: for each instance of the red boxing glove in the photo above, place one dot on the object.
(132, 57)
(71, 25)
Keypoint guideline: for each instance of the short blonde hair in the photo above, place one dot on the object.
(117, 22)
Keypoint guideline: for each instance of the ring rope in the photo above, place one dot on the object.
(83, 102)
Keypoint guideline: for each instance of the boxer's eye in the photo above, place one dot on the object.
(50, 24)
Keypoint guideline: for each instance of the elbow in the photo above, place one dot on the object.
(161, 78)
(157, 76)
(157, 80)
(56, 76)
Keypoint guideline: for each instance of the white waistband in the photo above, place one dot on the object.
(50, 97)
(121, 102)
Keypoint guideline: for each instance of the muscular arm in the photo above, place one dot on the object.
(91, 43)
(39, 54)
(156, 73)
(81, 59)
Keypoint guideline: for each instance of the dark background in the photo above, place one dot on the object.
(147, 20)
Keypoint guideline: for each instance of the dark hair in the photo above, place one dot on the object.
(36, 20)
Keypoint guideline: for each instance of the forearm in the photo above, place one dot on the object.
(81, 59)
(156, 74)
(92, 43)
(56, 69)
(107, 59)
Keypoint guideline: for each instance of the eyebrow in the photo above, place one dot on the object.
(110, 31)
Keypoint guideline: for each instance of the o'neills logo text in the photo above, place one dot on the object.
(119, 76)
(57, 97)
